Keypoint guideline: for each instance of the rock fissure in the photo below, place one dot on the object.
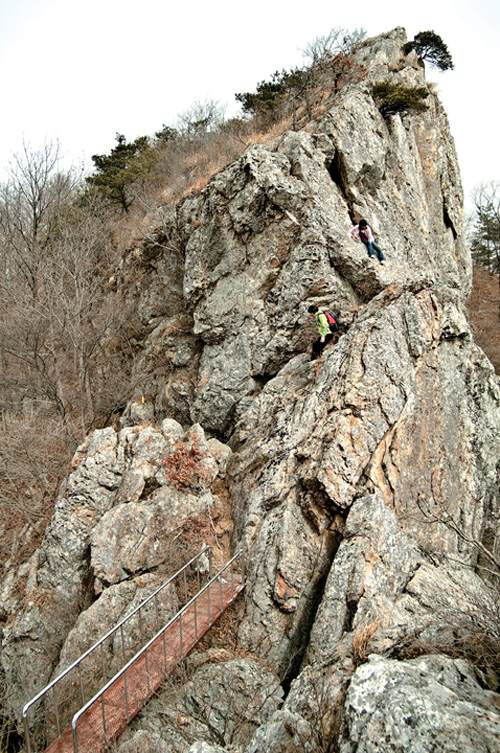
(310, 602)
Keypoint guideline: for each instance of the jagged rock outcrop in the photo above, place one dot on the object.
(427, 703)
(363, 488)
(377, 424)
(432, 702)
(269, 235)
(219, 701)
(119, 525)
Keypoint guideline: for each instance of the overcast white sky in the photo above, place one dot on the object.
(79, 72)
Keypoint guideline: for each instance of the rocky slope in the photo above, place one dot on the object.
(363, 488)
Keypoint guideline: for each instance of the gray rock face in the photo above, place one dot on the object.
(429, 703)
(270, 234)
(216, 706)
(131, 538)
(231, 699)
(365, 421)
(202, 747)
(121, 513)
(144, 742)
(114, 604)
(362, 487)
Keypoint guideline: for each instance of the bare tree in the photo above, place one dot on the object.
(58, 347)
(337, 41)
(62, 330)
(201, 119)
(30, 202)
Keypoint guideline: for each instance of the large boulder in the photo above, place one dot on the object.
(215, 705)
(428, 703)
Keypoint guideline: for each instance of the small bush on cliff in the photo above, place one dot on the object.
(392, 98)
(429, 46)
(184, 467)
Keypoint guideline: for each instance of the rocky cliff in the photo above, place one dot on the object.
(363, 487)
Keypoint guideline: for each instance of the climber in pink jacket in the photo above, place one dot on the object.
(363, 232)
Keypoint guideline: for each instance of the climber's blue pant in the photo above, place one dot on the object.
(374, 249)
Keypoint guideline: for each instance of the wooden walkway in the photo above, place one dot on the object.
(108, 716)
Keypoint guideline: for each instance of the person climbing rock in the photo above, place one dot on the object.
(325, 333)
(363, 232)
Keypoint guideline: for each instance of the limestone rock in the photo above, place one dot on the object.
(138, 412)
(119, 514)
(366, 420)
(231, 698)
(429, 703)
(111, 607)
(310, 718)
(285, 732)
(132, 537)
(145, 742)
(200, 746)
(363, 488)
(219, 705)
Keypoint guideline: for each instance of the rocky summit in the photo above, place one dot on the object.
(362, 487)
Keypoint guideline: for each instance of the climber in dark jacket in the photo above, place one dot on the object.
(325, 333)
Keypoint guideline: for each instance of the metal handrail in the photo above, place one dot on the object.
(95, 646)
(144, 649)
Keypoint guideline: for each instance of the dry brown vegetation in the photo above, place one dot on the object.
(484, 314)
(184, 467)
(362, 639)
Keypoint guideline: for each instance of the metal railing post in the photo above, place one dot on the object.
(104, 719)
(141, 629)
(122, 639)
(164, 653)
(208, 602)
(27, 737)
(126, 694)
(147, 670)
(75, 738)
(157, 620)
(56, 709)
(80, 680)
(103, 664)
(180, 635)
